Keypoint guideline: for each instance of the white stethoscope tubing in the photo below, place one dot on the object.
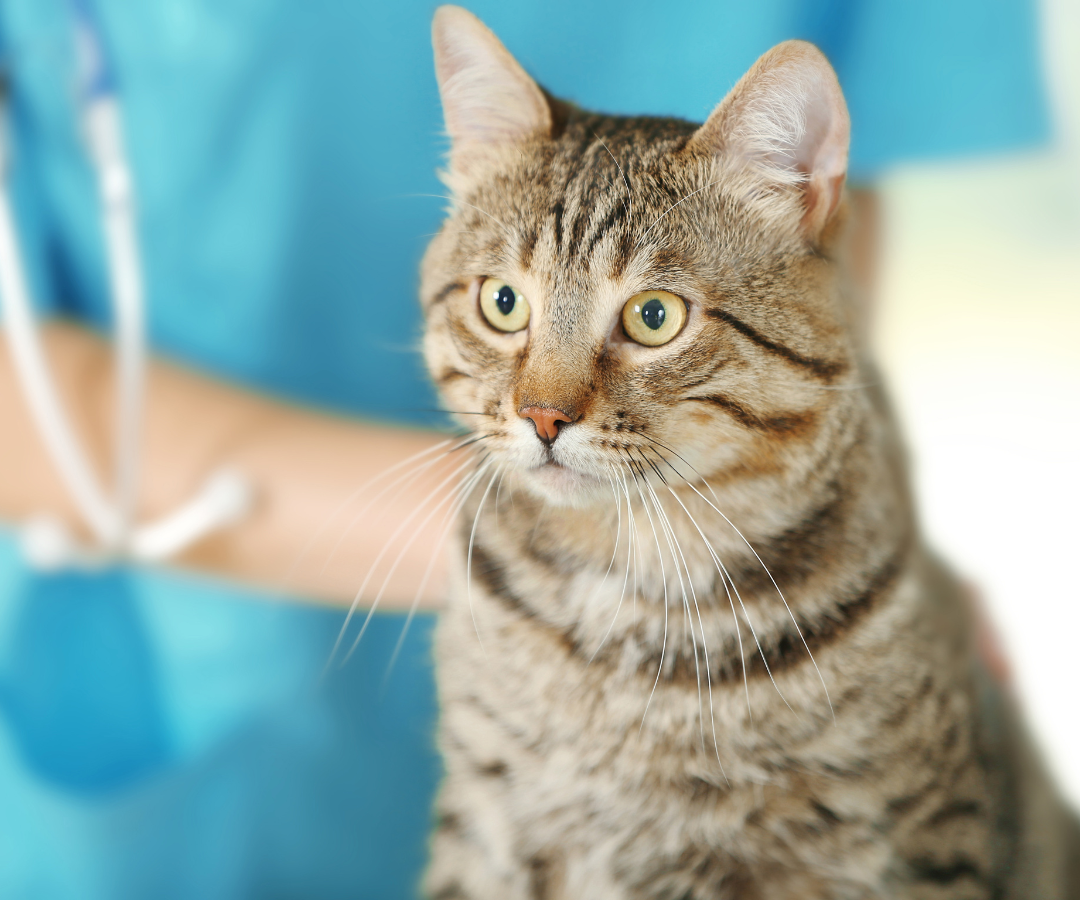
(114, 187)
(40, 390)
(226, 496)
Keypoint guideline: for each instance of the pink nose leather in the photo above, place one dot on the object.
(546, 421)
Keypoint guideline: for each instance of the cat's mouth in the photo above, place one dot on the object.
(562, 484)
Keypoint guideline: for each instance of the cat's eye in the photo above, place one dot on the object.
(503, 307)
(653, 318)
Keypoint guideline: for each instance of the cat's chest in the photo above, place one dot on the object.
(572, 759)
(587, 708)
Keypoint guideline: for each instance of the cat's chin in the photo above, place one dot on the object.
(564, 486)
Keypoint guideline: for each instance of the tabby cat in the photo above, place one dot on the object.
(696, 648)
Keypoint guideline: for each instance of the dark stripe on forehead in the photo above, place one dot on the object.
(623, 254)
(824, 369)
(586, 185)
(613, 218)
(587, 171)
(577, 230)
(667, 261)
(556, 224)
(528, 245)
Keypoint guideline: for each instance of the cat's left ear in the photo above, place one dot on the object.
(787, 117)
(489, 102)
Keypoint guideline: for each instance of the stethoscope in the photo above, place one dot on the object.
(109, 514)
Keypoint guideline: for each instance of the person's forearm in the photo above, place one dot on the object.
(302, 537)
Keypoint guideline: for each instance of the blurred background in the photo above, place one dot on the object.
(979, 336)
(284, 158)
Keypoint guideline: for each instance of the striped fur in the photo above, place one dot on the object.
(612, 725)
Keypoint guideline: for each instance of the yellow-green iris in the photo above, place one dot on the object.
(653, 318)
(503, 307)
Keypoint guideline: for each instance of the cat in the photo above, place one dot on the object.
(695, 648)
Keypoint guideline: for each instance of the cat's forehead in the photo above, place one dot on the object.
(593, 206)
(591, 143)
(600, 164)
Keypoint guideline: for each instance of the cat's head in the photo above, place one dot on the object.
(616, 293)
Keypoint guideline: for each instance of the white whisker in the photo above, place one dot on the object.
(663, 577)
(727, 590)
(397, 561)
(403, 482)
(626, 576)
(371, 570)
(444, 530)
(670, 208)
(701, 627)
(626, 181)
(676, 548)
(468, 561)
(749, 622)
(353, 495)
(794, 621)
(614, 552)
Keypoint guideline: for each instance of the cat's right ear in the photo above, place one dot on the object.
(488, 101)
(788, 120)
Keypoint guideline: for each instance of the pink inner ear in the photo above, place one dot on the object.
(487, 97)
(813, 151)
(823, 149)
(787, 116)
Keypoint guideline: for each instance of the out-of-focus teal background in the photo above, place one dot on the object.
(284, 157)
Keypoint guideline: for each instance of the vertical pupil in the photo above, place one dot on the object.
(653, 313)
(505, 299)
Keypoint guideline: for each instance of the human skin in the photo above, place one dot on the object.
(300, 538)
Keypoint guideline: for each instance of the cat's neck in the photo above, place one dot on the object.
(794, 555)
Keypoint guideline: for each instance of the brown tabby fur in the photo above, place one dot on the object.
(611, 726)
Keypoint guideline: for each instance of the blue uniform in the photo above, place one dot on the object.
(163, 735)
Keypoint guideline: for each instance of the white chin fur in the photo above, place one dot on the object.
(565, 487)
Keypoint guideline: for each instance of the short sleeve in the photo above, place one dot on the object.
(938, 78)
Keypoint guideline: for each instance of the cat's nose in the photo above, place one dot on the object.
(546, 420)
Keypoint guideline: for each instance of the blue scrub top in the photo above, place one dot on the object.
(168, 736)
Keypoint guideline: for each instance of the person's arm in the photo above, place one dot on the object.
(304, 466)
